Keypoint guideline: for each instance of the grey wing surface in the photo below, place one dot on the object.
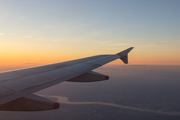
(17, 87)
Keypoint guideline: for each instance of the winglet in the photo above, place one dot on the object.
(124, 55)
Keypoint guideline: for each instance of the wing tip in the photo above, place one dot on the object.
(124, 55)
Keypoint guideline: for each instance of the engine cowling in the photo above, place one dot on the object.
(89, 77)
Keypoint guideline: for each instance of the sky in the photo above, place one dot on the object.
(37, 32)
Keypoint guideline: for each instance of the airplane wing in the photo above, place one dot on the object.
(17, 87)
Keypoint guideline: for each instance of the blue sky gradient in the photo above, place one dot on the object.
(59, 27)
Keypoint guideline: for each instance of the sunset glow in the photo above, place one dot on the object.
(43, 32)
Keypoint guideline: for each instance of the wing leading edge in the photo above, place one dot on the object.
(18, 86)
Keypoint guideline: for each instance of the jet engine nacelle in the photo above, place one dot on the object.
(89, 77)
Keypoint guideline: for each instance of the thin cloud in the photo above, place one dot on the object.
(50, 26)
(66, 101)
(118, 44)
(21, 18)
(2, 33)
(27, 36)
(114, 44)
(98, 33)
(5, 15)
(58, 40)
(165, 42)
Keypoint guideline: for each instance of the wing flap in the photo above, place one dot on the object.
(30, 103)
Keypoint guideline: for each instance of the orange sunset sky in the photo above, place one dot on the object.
(42, 32)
